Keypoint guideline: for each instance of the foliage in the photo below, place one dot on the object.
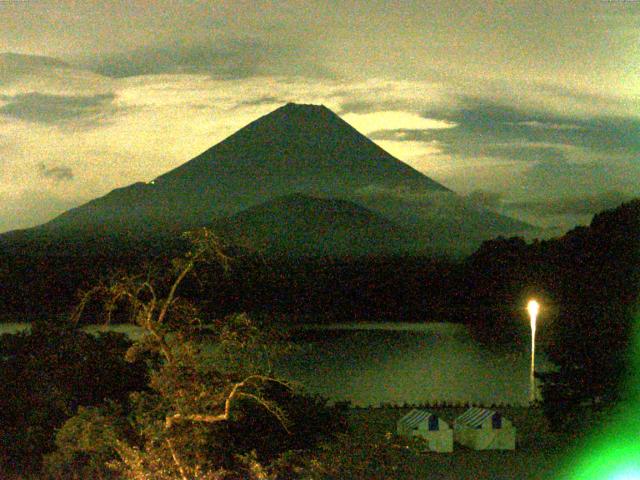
(588, 282)
(335, 289)
(47, 374)
(495, 277)
(591, 340)
(85, 444)
(212, 398)
(357, 459)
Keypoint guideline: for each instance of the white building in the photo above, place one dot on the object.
(482, 429)
(435, 431)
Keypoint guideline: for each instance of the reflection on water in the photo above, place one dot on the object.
(424, 364)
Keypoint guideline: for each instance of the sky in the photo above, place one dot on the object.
(529, 108)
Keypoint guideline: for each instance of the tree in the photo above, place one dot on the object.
(47, 374)
(494, 279)
(204, 381)
(597, 283)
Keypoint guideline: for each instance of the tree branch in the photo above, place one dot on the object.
(234, 393)
(176, 460)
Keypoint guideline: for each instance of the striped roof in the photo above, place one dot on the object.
(415, 417)
(474, 417)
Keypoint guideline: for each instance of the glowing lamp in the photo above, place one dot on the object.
(533, 308)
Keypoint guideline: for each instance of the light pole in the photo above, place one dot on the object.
(533, 308)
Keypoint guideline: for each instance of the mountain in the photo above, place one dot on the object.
(294, 149)
(301, 225)
(445, 221)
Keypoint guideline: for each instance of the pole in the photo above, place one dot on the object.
(533, 307)
(532, 387)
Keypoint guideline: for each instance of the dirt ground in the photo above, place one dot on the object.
(539, 452)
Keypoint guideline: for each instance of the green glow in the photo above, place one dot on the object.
(614, 452)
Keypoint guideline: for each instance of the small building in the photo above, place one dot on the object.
(435, 431)
(482, 429)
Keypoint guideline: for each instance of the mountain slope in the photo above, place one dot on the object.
(301, 225)
(443, 220)
(296, 148)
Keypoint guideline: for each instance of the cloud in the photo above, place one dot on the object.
(58, 174)
(572, 205)
(220, 57)
(488, 144)
(376, 121)
(29, 207)
(230, 59)
(587, 177)
(54, 109)
(457, 143)
(522, 152)
(553, 126)
(570, 150)
(13, 61)
(364, 106)
(495, 122)
(266, 100)
(485, 198)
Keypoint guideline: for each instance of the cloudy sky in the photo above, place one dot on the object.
(532, 108)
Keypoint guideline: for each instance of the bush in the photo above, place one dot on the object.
(346, 457)
(85, 444)
(47, 374)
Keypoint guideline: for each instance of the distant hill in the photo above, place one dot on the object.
(444, 221)
(301, 225)
(294, 149)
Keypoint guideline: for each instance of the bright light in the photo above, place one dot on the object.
(533, 308)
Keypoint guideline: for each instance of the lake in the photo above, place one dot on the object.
(370, 364)
(378, 363)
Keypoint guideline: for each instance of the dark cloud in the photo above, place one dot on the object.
(573, 205)
(529, 153)
(605, 102)
(267, 100)
(232, 59)
(227, 58)
(51, 109)
(493, 122)
(486, 128)
(457, 143)
(58, 174)
(13, 61)
(364, 106)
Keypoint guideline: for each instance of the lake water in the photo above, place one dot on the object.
(132, 331)
(377, 363)
(417, 364)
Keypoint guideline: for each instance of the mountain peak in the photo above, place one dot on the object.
(305, 112)
(303, 106)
